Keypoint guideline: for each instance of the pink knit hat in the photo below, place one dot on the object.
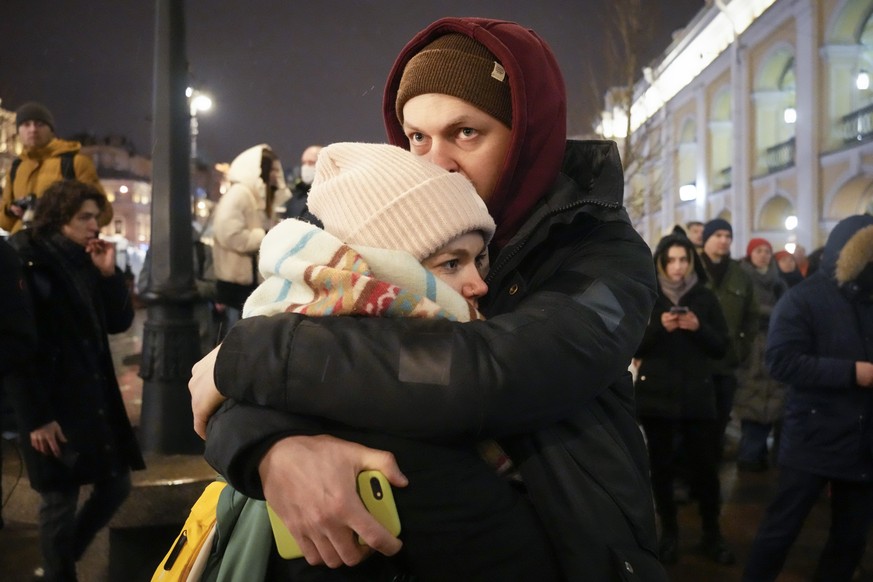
(383, 196)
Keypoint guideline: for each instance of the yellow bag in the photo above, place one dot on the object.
(186, 559)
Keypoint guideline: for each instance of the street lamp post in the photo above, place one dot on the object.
(170, 333)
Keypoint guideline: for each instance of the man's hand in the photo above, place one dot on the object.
(15, 210)
(310, 481)
(102, 255)
(205, 397)
(864, 374)
(47, 439)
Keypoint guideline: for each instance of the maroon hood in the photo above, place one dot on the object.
(539, 112)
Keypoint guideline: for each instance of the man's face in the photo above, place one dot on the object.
(83, 226)
(718, 245)
(462, 263)
(695, 234)
(458, 137)
(35, 134)
(307, 163)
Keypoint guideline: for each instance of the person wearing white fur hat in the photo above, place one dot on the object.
(241, 219)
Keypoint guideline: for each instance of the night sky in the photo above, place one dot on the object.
(282, 72)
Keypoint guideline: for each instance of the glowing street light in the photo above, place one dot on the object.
(688, 192)
(197, 102)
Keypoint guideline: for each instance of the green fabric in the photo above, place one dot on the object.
(243, 538)
(736, 294)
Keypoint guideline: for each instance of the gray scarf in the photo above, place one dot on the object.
(675, 290)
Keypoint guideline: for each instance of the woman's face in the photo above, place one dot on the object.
(678, 263)
(275, 173)
(462, 263)
(787, 264)
(760, 256)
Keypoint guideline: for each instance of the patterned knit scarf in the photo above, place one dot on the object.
(309, 271)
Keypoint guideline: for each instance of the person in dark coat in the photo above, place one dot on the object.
(675, 393)
(17, 328)
(820, 345)
(788, 268)
(71, 416)
(297, 206)
(736, 294)
(571, 289)
(759, 399)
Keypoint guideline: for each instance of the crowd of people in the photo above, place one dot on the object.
(487, 293)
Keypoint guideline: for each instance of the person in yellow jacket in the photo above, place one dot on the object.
(45, 160)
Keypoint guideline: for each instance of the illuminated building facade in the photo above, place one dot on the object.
(760, 112)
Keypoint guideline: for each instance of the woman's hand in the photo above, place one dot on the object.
(205, 397)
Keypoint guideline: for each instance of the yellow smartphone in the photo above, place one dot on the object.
(374, 490)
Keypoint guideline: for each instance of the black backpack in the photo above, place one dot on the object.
(67, 170)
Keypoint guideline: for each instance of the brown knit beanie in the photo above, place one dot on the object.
(383, 196)
(459, 66)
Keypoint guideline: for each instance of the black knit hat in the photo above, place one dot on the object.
(716, 224)
(33, 111)
(459, 66)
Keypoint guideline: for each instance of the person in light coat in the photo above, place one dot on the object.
(241, 219)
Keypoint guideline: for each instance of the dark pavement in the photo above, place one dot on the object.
(745, 497)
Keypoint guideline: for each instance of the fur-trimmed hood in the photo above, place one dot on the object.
(848, 256)
(246, 169)
(855, 256)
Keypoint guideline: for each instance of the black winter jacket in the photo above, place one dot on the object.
(818, 330)
(71, 378)
(570, 297)
(675, 376)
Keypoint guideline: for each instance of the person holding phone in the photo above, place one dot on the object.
(675, 394)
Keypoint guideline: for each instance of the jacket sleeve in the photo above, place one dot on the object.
(749, 324)
(6, 221)
(230, 226)
(18, 336)
(712, 335)
(239, 434)
(117, 303)
(795, 340)
(564, 344)
(86, 172)
(654, 333)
